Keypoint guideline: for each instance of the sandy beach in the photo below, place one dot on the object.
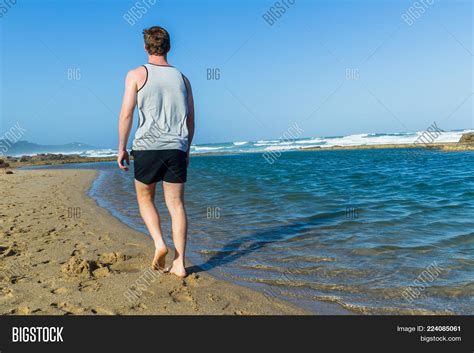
(62, 254)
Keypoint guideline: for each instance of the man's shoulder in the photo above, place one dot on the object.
(137, 73)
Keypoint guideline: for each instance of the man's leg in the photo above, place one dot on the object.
(149, 213)
(174, 198)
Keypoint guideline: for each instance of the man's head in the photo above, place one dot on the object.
(157, 41)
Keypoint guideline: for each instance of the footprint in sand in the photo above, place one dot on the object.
(112, 258)
(77, 252)
(6, 251)
(69, 308)
(22, 310)
(101, 272)
(6, 293)
(77, 267)
(104, 237)
(61, 290)
(213, 298)
(192, 279)
(51, 231)
(87, 287)
(102, 311)
(140, 306)
(15, 279)
(184, 294)
(181, 294)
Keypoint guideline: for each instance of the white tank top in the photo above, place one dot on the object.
(162, 104)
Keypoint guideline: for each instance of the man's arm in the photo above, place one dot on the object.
(190, 117)
(126, 118)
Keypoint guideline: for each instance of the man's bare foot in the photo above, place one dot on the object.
(177, 269)
(158, 262)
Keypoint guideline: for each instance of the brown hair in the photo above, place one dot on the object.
(157, 40)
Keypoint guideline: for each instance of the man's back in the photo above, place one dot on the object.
(162, 110)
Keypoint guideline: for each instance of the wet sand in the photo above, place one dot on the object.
(61, 254)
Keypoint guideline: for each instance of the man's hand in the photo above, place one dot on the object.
(187, 159)
(123, 157)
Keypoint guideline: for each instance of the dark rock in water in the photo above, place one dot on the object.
(467, 138)
(48, 157)
(25, 158)
(54, 157)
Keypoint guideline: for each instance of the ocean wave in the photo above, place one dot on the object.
(268, 141)
(314, 140)
(281, 148)
(205, 148)
(99, 153)
(384, 139)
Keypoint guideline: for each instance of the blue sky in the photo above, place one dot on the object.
(332, 67)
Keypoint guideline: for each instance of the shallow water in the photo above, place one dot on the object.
(350, 227)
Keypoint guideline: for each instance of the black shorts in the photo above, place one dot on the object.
(157, 165)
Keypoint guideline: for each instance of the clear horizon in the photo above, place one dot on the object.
(336, 69)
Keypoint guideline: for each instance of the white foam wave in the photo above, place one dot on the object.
(268, 141)
(106, 152)
(205, 148)
(281, 148)
(396, 139)
(314, 140)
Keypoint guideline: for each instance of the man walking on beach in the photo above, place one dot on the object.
(162, 142)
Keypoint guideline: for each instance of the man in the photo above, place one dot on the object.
(162, 142)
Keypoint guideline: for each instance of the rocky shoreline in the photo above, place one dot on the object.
(47, 159)
(452, 146)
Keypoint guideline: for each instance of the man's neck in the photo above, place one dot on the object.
(157, 60)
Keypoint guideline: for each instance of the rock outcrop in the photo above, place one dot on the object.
(467, 138)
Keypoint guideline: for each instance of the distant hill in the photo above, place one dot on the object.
(25, 147)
